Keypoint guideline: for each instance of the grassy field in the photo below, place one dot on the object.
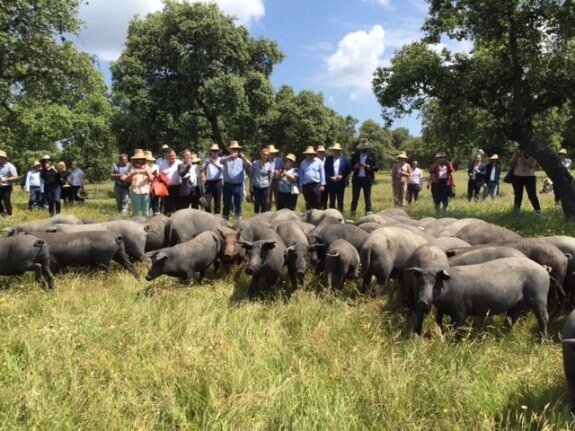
(105, 352)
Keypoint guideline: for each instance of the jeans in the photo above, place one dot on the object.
(492, 189)
(52, 198)
(412, 192)
(441, 194)
(36, 199)
(233, 193)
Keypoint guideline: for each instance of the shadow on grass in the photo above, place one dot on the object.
(537, 408)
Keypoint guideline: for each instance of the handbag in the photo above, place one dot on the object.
(509, 177)
(294, 190)
(159, 189)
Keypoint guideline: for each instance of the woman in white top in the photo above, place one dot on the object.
(523, 166)
(414, 183)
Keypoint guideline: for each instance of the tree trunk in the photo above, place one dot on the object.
(549, 161)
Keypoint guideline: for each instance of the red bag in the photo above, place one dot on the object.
(159, 188)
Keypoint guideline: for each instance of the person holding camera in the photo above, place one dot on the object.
(365, 166)
(234, 177)
(53, 181)
(121, 188)
(8, 176)
(288, 189)
(476, 178)
(442, 181)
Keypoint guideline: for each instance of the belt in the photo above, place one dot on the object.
(213, 181)
(310, 184)
(233, 184)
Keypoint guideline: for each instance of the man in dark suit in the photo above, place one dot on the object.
(337, 168)
(364, 164)
(492, 173)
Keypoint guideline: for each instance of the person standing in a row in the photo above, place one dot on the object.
(234, 174)
(53, 182)
(169, 168)
(121, 188)
(523, 166)
(320, 155)
(213, 171)
(191, 188)
(260, 181)
(8, 176)
(414, 183)
(337, 168)
(492, 173)
(34, 186)
(140, 178)
(288, 181)
(278, 165)
(400, 173)
(365, 166)
(441, 182)
(311, 179)
(76, 180)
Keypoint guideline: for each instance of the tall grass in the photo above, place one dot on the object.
(104, 351)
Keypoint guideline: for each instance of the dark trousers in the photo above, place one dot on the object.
(323, 198)
(155, 204)
(52, 197)
(473, 190)
(191, 200)
(74, 197)
(214, 193)
(233, 193)
(287, 200)
(412, 192)
(6, 200)
(171, 201)
(359, 184)
(312, 196)
(66, 194)
(336, 192)
(273, 194)
(260, 200)
(441, 194)
(529, 183)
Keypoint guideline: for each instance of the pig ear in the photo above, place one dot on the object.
(160, 256)
(569, 255)
(416, 272)
(268, 245)
(444, 274)
(246, 244)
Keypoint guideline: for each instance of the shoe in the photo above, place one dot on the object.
(368, 213)
(157, 213)
(538, 212)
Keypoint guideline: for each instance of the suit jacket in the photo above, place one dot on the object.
(371, 161)
(479, 176)
(488, 169)
(344, 170)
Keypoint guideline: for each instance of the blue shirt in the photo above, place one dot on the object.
(7, 170)
(213, 173)
(261, 174)
(278, 163)
(234, 171)
(311, 172)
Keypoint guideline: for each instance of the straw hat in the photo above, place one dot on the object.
(36, 163)
(215, 147)
(494, 157)
(562, 151)
(290, 156)
(139, 155)
(441, 155)
(309, 150)
(3, 154)
(336, 147)
(272, 149)
(363, 144)
(149, 156)
(195, 158)
(46, 157)
(165, 147)
(402, 155)
(320, 149)
(235, 145)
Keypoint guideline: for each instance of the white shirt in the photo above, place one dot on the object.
(443, 171)
(336, 163)
(362, 159)
(416, 176)
(171, 172)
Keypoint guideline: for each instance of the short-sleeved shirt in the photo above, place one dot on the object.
(234, 171)
(7, 170)
(311, 172)
(76, 177)
(284, 185)
(213, 173)
(261, 174)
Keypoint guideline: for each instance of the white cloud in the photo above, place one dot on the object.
(357, 56)
(106, 21)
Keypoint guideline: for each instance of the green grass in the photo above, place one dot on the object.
(104, 352)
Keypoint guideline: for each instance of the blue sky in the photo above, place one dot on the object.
(331, 47)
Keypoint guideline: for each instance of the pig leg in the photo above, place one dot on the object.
(37, 267)
(122, 258)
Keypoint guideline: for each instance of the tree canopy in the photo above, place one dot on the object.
(189, 74)
(518, 74)
(50, 94)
